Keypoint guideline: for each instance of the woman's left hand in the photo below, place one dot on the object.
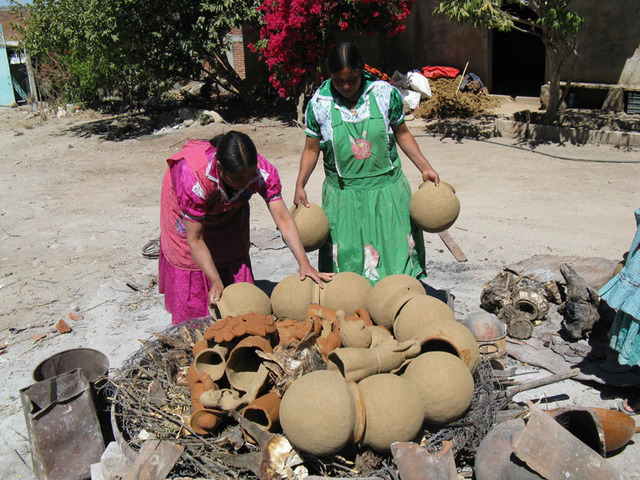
(318, 277)
(430, 175)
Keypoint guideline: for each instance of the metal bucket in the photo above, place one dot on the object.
(94, 366)
(64, 430)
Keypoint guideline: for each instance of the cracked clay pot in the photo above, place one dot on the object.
(439, 334)
(389, 295)
(445, 385)
(242, 298)
(244, 362)
(393, 410)
(313, 225)
(321, 414)
(434, 209)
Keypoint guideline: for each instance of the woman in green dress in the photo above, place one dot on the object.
(356, 122)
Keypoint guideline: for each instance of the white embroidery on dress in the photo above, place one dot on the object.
(197, 190)
(371, 259)
(412, 247)
(334, 255)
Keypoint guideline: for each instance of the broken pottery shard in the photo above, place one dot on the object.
(554, 453)
(415, 462)
(62, 326)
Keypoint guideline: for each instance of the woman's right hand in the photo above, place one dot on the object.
(300, 197)
(215, 292)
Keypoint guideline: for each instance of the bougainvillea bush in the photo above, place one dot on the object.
(296, 34)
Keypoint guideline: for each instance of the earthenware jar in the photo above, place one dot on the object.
(489, 331)
(347, 291)
(204, 420)
(264, 411)
(418, 311)
(442, 335)
(321, 414)
(601, 429)
(355, 364)
(243, 363)
(445, 385)
(202, 383)
(434, 209)
(291, 297)
(313, 225)
(393, 410)
(240, 298)
(212, 361)
(389, 295)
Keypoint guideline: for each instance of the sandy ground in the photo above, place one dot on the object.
(77, 209)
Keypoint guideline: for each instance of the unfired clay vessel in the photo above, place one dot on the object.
(243, 362)
(313, 225)
(389, 295)
(319, 413)
(418, 311)
(393, 410)
(355, 364)
(243, 297)
(212, 361)
(445, 385)
(291, 297)
(347, 291)
(434, 209)
(443, 335)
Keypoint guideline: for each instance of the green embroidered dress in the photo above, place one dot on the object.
(365, 193)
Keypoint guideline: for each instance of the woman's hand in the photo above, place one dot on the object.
(215, 292)
(318, 277)
(300, 197)
(430, 175)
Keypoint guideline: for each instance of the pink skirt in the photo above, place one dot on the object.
(186, 291)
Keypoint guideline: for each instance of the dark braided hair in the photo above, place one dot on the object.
(235, 151)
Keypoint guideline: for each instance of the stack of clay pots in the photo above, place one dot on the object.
(347, 291)
(434, 208)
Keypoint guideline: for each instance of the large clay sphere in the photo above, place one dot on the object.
(389, 295)
(445, 385)
(313, 225)
(318, 413)
(291, 297)
(447, 336)
(418, 311)
(347, 291)
(434, 209)
(242, 298)
(393, 409)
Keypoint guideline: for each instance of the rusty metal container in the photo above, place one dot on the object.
(64, 430)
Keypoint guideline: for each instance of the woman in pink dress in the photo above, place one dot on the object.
(204, 222)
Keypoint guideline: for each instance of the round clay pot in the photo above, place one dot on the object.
(434, 209)
(389, 295)
(442, 184)
(242, 298)
(442, 335)
(420, 310)
(445, 385)
(204, 420)
(489, 331)
(199, 346)
(393, 408)
(291, 297)
(243, 362)
(347, 291)
(264, 411)
(318, 413)
(211, 361)
(313, 225)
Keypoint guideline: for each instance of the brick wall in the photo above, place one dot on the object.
(237, 51)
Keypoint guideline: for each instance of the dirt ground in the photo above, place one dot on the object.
(79, 199)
